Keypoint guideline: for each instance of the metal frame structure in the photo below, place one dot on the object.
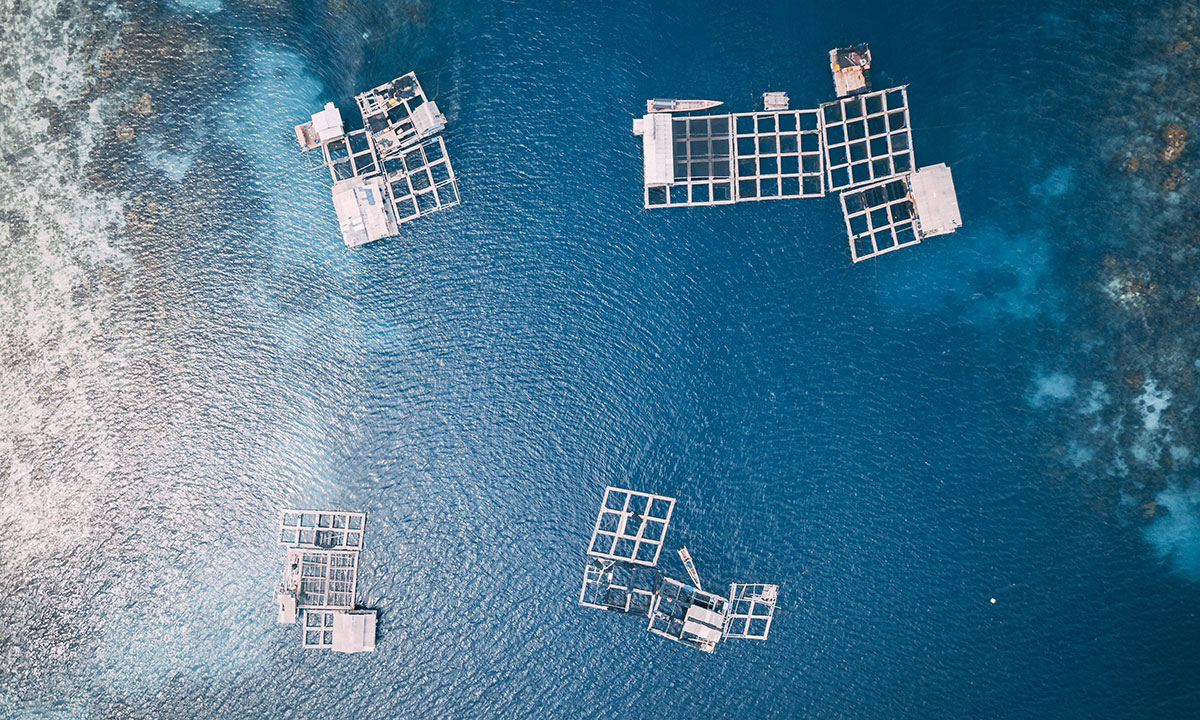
(880, 218)
(751, 609)
(630, 582)
(619, 586)
(680, 612)
(631, 526)
(398, 145)
(421, 180)
(867, 137)
(321, 529)
(778, 155)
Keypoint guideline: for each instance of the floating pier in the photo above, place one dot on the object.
(391, 171)
(851, 68)
(859, 145)
(621, 574)
(775, 101)
(320, 576)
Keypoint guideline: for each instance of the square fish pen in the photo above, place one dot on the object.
(421, 180)
(631, 526)
(751, 609)
(867, 137)
(322, 530)
(318, 630)
(880, 218)
(779, 155)
(619, 586)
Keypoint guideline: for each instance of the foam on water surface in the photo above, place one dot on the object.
(1054, 387)
(1175, 536)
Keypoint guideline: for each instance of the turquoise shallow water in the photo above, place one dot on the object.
(992, 414)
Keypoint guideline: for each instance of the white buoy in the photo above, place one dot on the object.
(993, 601)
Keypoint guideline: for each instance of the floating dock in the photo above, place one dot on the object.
(391, 171)
(851, 68)
(320, 577)
(621, 574)
(859, 145)
(775, 101)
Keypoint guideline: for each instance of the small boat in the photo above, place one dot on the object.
(686, 558)
(668, 105)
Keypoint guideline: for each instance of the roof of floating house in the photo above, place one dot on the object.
(392, 170)
(655, 130)
(859, 146)
(851, 69)
(363, 210)
(937, 205)
(427, 119)
(752, 607)
(328, 123)
(354, 631)
(621, 574)
(775, 101)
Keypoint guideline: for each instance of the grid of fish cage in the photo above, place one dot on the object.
(778, 155)
(317, 630)
(751, 609)
(701, 164)
(867, 137)
(619, 586)
(631, 526)
(421, 180)
(325, 578)
(322, 530)
(880, 218)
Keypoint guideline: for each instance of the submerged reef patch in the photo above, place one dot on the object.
(1175, 532)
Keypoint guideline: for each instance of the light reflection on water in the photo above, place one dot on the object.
(862, 436)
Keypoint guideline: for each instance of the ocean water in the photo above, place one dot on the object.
(1006, 413)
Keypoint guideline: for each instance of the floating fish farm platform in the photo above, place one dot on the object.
(621, 574)
(391, 171)
(859, 145)
(320, 576)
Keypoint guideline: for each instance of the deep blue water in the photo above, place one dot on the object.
(869, 437)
